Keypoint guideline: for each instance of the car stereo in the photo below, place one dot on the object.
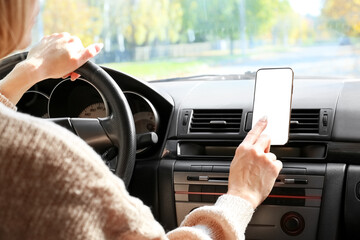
(291, 211)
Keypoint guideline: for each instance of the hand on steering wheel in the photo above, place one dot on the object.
(118, 128)
(56, 56)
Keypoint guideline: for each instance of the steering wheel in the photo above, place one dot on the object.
(118, 129)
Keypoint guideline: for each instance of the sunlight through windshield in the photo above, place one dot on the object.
(158, 39)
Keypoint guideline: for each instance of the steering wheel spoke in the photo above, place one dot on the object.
(107, 125)
(118, 130)
(92, 132)
(64, 122)
(89, 129)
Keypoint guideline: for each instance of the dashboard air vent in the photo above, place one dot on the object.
(215, 120)
(305, 121)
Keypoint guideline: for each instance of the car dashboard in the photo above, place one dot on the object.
(201, 121)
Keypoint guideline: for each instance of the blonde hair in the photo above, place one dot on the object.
(14, 17)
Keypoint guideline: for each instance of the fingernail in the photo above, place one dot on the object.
(263, 119)
(100, 46)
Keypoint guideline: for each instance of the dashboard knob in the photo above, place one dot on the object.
(292, 223)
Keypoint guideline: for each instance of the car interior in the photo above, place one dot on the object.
(187, 131)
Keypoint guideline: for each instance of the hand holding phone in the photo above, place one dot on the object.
(272, 98)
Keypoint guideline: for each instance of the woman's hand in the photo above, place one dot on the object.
(254, 169)
(57, 55)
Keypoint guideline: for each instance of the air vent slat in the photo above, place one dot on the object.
(215, 121)
(305, 121)
(217, 114)
(218, 130)
(215, 118)
(304, 114)
(208, 124)
(307, 129)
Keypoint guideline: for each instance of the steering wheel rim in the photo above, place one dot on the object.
(119, 126)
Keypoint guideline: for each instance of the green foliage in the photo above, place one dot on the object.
(343, 16)
(125, 24)
(221, 19)
(75, 17)
(142, 22)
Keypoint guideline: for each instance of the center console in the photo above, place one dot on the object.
(305, 201)
(291, 210)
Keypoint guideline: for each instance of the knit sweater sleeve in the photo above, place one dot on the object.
(7, 102)
(227, 219)
(52, 184)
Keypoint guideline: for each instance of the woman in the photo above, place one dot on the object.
(53, 185)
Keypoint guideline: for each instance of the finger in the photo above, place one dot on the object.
(90, 51)
(271, 156)
(61, 35)
(75, 39)
(64, 37)
(74, 76)
(255, 132)
(263, 143)
(279, 165)
(53, 38)
(45, 39)
(66, 76)
(54, 35)
(64, 34)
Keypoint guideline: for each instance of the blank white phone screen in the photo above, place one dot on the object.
(273, 93)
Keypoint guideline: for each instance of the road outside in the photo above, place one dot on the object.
(332, 61)
(319, 61)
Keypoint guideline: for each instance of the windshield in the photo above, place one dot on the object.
(159, 39)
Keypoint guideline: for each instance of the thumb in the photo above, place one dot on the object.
(91, 51)
(278, 165)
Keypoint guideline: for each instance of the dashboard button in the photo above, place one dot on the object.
(292, 223)
(221, 169)
(325, 120)
(248, 122)
(185, 119)
(195, 168)
(295, 181)
(206, 168)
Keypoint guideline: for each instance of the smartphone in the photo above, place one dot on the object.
(272, 98)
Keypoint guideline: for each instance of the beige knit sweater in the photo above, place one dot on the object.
(54, 186)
